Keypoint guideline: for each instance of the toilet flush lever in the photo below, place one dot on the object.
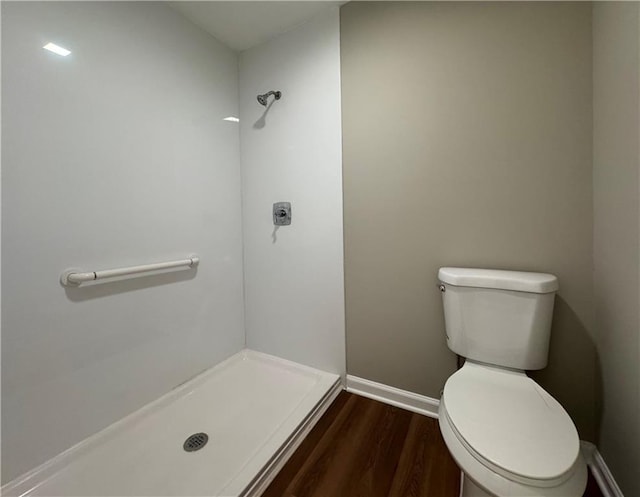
(442, 288)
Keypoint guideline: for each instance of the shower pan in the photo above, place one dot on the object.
(226, 432)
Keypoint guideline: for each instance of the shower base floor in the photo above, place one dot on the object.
(255, 408)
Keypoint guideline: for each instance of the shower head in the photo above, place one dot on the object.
(262, 99)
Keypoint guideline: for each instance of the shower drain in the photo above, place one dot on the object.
(195, 442)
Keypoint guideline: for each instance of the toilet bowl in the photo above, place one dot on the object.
(509, 436)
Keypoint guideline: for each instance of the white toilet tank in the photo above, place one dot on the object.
(498, 317)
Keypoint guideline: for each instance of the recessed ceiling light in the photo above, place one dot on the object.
(52, 47)
(232, 119)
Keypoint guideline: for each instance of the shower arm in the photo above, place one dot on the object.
(262, 99)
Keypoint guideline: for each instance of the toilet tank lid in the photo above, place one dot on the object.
(518, 281)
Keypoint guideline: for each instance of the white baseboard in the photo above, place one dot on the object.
(277, 462)
(599, 470)
(393, 396)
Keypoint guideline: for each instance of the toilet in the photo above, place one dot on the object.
(509, 437)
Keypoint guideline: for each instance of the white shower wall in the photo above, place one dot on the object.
(294, 283)
(116, 155)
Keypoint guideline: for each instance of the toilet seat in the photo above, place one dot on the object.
(511, 425)
(479, 480)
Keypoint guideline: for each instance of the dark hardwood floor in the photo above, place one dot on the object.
(363, 448)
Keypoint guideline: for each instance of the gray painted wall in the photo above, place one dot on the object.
(616, 157)
(467, 136)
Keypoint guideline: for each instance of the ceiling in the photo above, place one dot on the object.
(241, 25)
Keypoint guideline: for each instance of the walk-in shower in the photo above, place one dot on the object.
(262, 99)
(135, 373)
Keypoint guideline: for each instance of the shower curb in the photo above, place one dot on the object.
(262, 481)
